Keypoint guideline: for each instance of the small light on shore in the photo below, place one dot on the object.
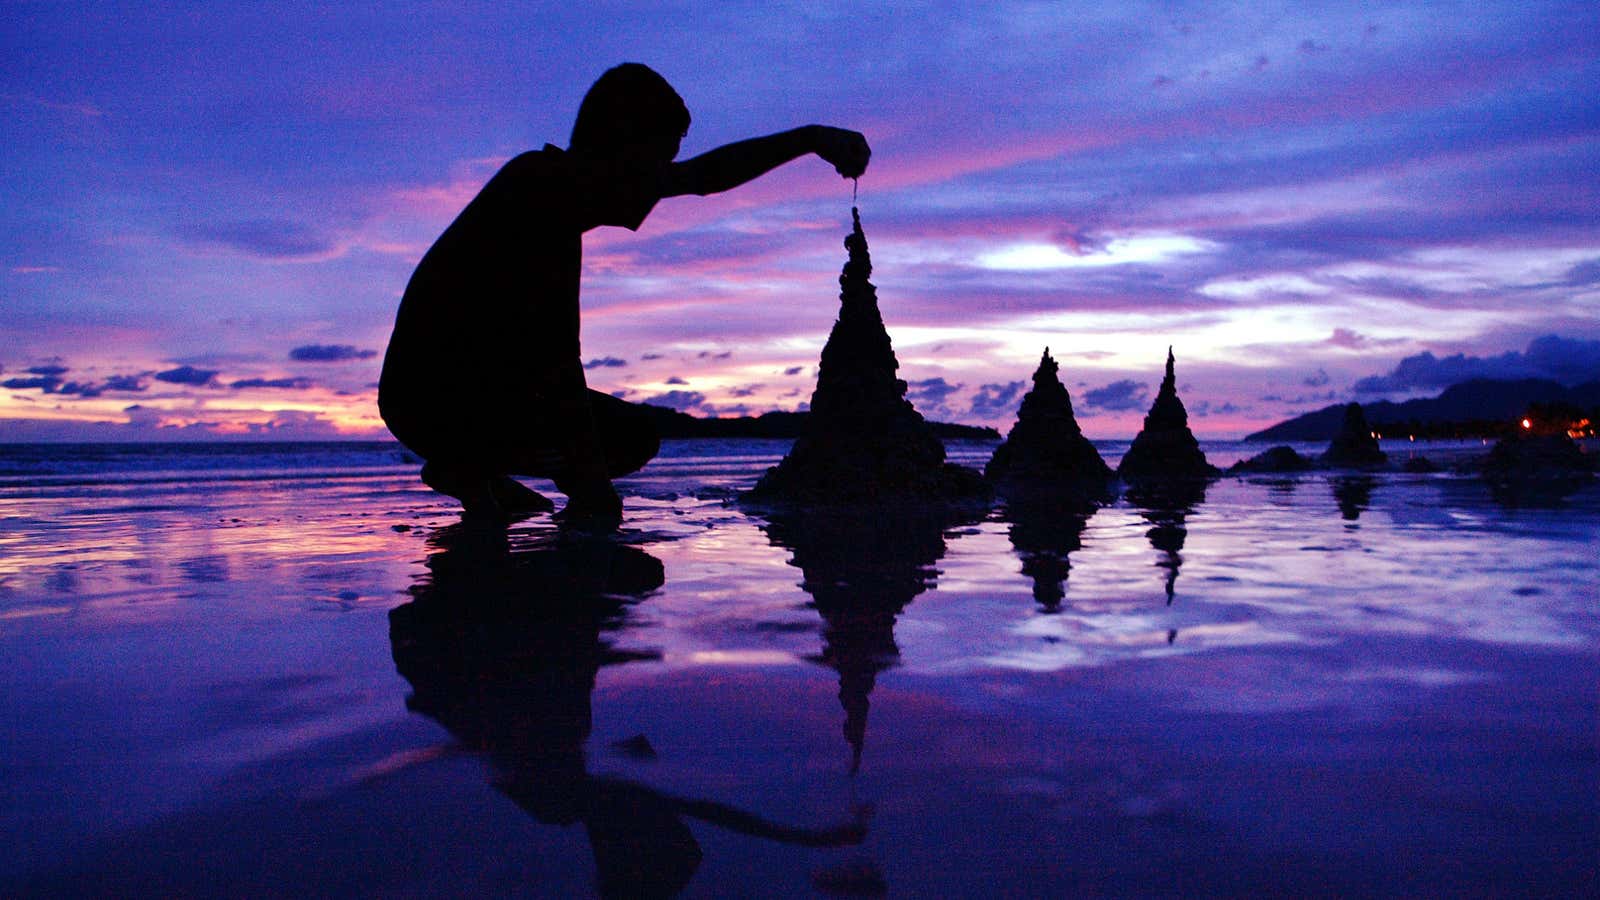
(1526, 423)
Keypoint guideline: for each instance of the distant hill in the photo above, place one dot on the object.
(674, 424)
(1469, 408)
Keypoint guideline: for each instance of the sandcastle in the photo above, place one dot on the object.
(1165, 448)
(1046, 450)
(864, 442)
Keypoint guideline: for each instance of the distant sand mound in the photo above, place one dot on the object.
(1355, 445)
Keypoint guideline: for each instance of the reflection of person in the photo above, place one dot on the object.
(482, 378)
(502, 646)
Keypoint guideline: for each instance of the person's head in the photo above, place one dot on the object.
(630, 110)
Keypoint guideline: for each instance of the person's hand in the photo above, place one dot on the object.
(846, 150)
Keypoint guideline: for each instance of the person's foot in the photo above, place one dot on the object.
(517, 499)
(598, 510)
(486, 496)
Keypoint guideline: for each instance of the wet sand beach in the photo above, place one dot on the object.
(291, 669)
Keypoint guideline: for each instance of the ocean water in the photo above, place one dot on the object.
(290, 669)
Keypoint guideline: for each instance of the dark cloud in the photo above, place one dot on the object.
(929, 395)
(329, 353)
(46, 383)
(292, 384)
(124, 383)
(682, 401)
(265, 238)
(1317, 379)
(995, 400)
(707, 354)
(1311, 47)
(650, 357)
(675, 380)
(1553, 357)
(794, 370)
(745, 390)
(187, 375)
(1116, 396)
(89, 389)
(605, 362)
(47, 370)
(1207, 408)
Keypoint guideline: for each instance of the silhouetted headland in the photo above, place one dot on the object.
(1165, 448)
(864, 442)
(1479, 407)
(1046, 452)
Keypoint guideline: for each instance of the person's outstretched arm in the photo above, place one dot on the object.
(734, 164)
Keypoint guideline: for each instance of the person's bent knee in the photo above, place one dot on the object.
(631, 454)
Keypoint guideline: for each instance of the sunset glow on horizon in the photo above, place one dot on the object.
(213, 210)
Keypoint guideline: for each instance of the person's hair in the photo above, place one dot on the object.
(628, 103)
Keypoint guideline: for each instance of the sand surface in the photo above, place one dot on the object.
(293, 671)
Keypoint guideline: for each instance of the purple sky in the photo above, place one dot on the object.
(211, 211)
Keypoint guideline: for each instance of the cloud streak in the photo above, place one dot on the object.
(330, 353)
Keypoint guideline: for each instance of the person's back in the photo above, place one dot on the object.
(490, 315)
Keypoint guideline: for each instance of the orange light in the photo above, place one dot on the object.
(1526, 424)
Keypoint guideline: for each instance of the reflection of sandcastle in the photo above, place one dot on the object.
(1166, 505)
(1165, 448)
(1045, 536)
(864, 442)
(861, 574)
(1046, 450)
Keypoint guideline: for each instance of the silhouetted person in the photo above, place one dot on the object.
(483, 378)
(502, 646)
